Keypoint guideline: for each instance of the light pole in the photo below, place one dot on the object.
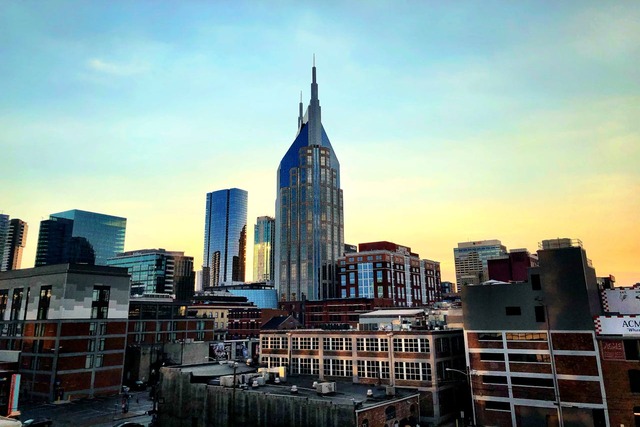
(468, 377)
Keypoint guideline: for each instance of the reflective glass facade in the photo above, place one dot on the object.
(309, 211)
(158, 271)
(225, 237)
(263, 245)
(80, 237)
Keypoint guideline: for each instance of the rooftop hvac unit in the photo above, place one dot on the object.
(391, 390)
(226, 381)
(326, 388)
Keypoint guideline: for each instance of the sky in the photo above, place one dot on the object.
(452, 121)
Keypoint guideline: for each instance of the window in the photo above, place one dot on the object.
(535, 282)
(100, 302)
(632, 349)
(494, 379)
(91, 346)
(540, 315)
(16, 303)
(101, 344)
(43, 303)
(526, 336)
(4, 298)
(99, 360)
(497, 406)
(529, 358)
(513, 311)
(390, 412)
(489, 336)
(634, 380)
(88, 362)
(492, 357)
(532, 382)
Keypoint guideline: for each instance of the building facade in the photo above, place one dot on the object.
(15, 241)
(225, 238)
(471, 261)
(511, 267)
(419, 360)
(70, 324)
(158, 271)
(532, 353)
(264, 235)
(309, 211)
(387, 271)
(80, 237)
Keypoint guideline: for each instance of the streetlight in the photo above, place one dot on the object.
(468, 377)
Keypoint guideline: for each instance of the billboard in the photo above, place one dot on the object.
(626, 326)
(621, 300)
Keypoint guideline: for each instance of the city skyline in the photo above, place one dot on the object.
(453, 122)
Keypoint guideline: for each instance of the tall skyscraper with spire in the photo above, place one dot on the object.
(309, 211)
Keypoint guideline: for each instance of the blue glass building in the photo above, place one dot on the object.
(225, 237)
(158, 271)
(309, 211)
(263, 248)
(77, 236)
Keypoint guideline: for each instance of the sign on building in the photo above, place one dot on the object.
(626, 326)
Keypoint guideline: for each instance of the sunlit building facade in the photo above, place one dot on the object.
(225, 238)
(263, 248)
(16, 239)
(309, 211)
(471, 260)
(81, 237)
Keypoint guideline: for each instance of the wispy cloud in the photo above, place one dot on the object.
(116, 69)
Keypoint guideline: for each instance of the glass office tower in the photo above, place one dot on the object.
(158, 271)
(77, 236)
(309, 213)
(15, 242)
(225, 237)
(263, 246)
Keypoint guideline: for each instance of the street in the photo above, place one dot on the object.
(97, 412)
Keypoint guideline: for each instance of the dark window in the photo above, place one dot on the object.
(494, 379)
(4, 298)
(540, 316)
(16, 303)
(532, 382)
(489, 357)
(100, 302)
(390, 412)
(513, 311)
(497, 406)
(632, 349)
(535, 282)
(634, 380)
(43, 304)
(489, 336)
(529, 358)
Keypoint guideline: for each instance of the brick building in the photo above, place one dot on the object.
(415, 360)
(70, 324)
(532, 354)
(387, 271)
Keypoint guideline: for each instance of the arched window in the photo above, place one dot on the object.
(390, 412)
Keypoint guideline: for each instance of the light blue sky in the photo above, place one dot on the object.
(452, 120)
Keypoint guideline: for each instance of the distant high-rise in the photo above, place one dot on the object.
(158, 271)
(4, 231)
(471, 260)
(309, 211)
(263, 248)
(16, 240)
(80, 237)
(225, 237)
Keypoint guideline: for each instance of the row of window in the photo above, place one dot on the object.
(405, 345)
(513, 336)
(516, 357)
(410, 371)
